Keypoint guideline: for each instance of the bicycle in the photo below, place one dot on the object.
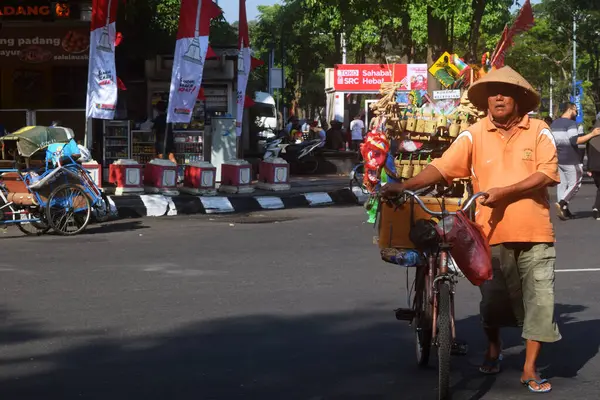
(434, 289)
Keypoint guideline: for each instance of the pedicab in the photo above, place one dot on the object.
(43, 187)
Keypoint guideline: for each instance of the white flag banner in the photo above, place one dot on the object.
(102, 90)
(186, 78)
(244, 66)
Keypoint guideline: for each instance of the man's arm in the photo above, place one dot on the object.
(454, 163)
(585, 138)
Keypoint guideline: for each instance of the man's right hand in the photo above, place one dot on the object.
(391, 190)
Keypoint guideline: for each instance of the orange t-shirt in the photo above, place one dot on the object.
(494, 160)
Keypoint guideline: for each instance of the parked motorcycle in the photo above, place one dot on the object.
(300, 156)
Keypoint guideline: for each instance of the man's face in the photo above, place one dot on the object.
(573, 113)
(501, 101)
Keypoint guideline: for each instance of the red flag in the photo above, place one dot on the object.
(99, 12)
(255, 62)
(201, 95)
(210, 53)
(248, 102)
(187, 20)
(523, 23)
(244, 37)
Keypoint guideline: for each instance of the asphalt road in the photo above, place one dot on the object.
(282, 305)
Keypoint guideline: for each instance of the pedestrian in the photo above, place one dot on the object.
(335, 136)
(163, 147)
(593, 166)
(513, 159)
(318, 132)
(357, 128)
(570, 165)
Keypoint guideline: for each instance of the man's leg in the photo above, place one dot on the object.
(536, 267)
(574, 175)
(596, 208)
(561, 189)
(501, 304)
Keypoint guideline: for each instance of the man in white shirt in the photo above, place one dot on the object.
(357, 127)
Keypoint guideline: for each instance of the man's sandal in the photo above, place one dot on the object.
(539, 383)
(491, 366)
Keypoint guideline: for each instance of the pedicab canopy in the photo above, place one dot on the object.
(32, 139)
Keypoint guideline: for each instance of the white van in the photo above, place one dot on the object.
(265, 114)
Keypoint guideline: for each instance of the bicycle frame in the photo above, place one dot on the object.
(437, 265)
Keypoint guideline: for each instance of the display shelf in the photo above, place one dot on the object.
(189, 145)
(143, 146)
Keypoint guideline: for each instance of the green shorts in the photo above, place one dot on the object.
(522, 290)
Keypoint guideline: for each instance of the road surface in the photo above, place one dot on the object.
(282, 305)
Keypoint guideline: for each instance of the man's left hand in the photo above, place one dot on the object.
(494, 198)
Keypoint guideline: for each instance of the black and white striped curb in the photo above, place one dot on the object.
(155, 205)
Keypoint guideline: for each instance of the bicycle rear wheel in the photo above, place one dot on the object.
(444, 340)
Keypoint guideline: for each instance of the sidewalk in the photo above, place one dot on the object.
(310, 191)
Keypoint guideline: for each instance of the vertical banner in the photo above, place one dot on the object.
(578, 101)
(190, 55)
(102, 90)
(244, 66)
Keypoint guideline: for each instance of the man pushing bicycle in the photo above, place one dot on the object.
(512, 158)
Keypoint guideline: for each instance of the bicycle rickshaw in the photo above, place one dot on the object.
(43, 186)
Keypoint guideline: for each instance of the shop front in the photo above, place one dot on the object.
(219, 99)
(346, 82)
(44, 50)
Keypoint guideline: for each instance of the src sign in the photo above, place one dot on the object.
(369, 77)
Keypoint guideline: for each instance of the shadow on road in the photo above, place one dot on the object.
(352, 355)
(114, 227)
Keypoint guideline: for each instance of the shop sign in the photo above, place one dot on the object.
(446, 94)
(56, 45)
(353, 78)
(34, 11)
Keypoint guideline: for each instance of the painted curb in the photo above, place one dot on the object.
(135, 206)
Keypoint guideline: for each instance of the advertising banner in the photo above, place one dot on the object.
(102, 89)
(52, 44)
(190, 55)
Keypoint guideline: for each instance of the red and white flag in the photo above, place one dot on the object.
(190, 55)
(244, 66)
(102, 87)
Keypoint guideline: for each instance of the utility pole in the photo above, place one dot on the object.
(343, 42)
(551, 99)
(574, 56)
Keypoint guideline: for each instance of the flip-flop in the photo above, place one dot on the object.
(491, 367)
(539, 383)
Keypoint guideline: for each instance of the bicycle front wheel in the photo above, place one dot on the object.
(444, 339)
(422, 322)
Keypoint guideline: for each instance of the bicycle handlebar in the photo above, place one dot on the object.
(466, 206)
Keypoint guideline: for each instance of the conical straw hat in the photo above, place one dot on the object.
(528, 98)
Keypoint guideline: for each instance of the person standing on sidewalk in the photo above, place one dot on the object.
(570, 168)
(357, 127)
(513, 159)
(593, 166)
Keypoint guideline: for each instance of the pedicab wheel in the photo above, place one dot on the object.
(35, 228)
(68, 210)
(444, 340)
